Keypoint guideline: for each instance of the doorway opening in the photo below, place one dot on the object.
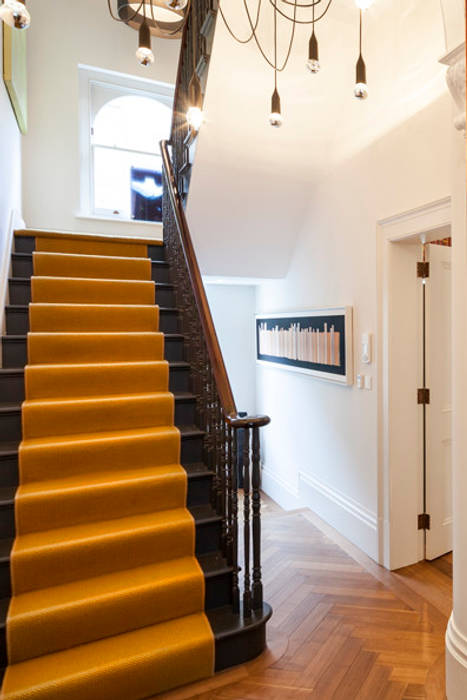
(414, 354)
(436, 408)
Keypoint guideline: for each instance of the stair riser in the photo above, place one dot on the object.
(22, 267)
(9, 470)
(14, 351)
(24, 244)
(199, 490)
(10, 426)
(27, 244)
(191, 452)
(218, 591)
(20, 293)
(208, 536)
(12, 385)
(10, 421)
(17, 321)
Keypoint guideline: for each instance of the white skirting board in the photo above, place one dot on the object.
(15, 222)
(456, 662)
(351, 519)
(279, 490)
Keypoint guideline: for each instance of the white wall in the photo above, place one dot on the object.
(321, 448)
(58, 41)
(233, 312)
(10, 180)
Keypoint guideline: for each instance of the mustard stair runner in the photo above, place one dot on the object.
(108, 597)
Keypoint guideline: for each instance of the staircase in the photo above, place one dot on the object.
(138, 638)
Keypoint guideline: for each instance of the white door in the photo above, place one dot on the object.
(439, 411)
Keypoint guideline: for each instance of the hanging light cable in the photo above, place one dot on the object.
(15, 14)
(361, 87)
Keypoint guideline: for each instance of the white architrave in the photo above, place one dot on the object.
(400, 542)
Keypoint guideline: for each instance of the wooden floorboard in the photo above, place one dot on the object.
(350, 629)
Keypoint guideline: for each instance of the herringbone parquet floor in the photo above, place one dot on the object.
(353, 630)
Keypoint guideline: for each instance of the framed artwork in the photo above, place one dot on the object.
(15, 73)
(317, 342)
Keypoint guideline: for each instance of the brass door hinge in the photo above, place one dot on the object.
(424, 521)
(423, 269)
(423, 396)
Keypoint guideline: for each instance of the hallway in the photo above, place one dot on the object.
(343, 627)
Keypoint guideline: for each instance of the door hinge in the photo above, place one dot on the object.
(423, 269)
(424, 521)
(423, 396)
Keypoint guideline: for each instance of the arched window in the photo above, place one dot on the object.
(126, 178)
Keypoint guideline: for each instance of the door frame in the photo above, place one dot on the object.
(399, 468)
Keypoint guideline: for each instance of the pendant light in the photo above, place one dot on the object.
(275, 116)
(313, 64)
(361, 87)
(162, 18)
(15, 14)
(144, 52)
(293, 13)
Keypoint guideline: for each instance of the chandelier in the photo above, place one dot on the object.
(15, 14)
(291, 11)
(163, 18)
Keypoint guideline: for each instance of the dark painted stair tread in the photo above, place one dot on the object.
(226, 623)
(28, 256)
(7, 495)
(4, 605)
(27, 281)
(187, 431)
(5, 548)
(197, 470)
(204, 514)
(9, 449)
(19, 371)
(7, 406)
(25, 307)
(213, 564)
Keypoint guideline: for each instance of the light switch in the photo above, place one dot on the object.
(366, 348)
(368, 382)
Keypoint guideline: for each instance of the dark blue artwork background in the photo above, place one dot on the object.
(316, 322)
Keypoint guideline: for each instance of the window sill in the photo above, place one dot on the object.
(116, 220)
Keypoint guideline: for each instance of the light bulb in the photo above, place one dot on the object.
(177, 4)
(361, 91)
(194, 117)
(15, 14)
(275, 119)
(313, 65)
(145, 56)
(364, 4)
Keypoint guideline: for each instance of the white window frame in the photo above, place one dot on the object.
(125, 85)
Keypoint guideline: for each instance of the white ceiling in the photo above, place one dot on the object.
(256, 181)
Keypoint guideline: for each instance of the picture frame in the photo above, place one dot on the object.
(15, 73)
(318, 342)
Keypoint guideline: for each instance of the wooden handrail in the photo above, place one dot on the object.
(210, 336)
